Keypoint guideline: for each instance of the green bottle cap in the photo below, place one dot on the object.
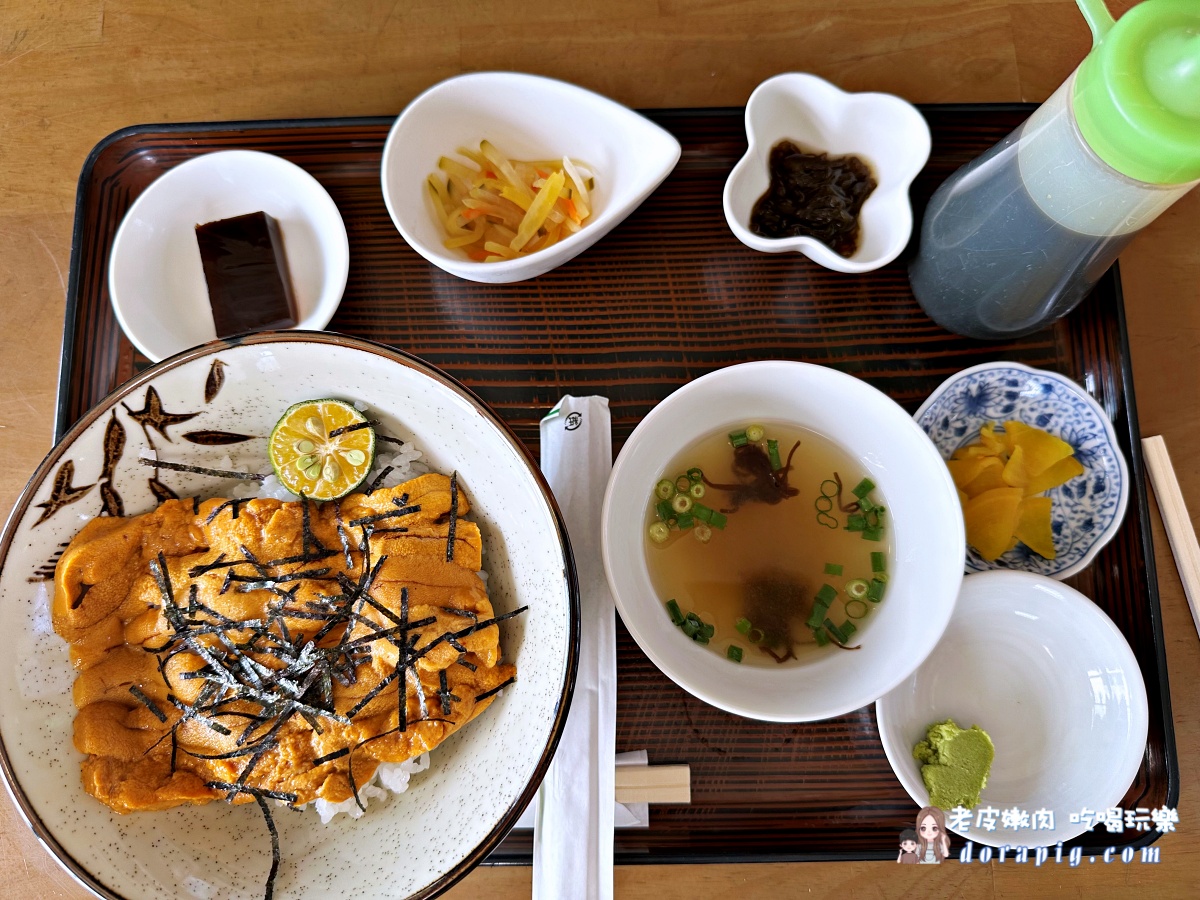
(1137, 94)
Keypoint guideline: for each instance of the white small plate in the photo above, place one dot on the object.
(155, 277)
(525, 117)
(1041, 669)
(886, 132)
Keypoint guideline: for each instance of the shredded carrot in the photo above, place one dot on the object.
(499, 208)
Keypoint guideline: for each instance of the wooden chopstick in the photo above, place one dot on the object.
(654, 784)
(1175, 519)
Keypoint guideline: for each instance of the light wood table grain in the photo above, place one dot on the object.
(72, 71)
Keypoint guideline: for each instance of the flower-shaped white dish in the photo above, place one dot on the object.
(1041, 669)
(1088, 510)
(155, 277)
(479, 780)
(525, 117)
(925, 531)
(881, 129)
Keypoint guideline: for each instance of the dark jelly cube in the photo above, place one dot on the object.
(246, 272)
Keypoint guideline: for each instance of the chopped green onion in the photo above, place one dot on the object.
(880, 576)
(663, 508)
(702, 512)
(734, 653)
(821, 636)
(738, 438)
(700, 638)
(827, 594)
(685, 520)
(664, 490)
(682, 483)
(856, 522)
(697, 490)
(718, 520)
(681, 503)
(873, 533)
(742, 625)
(875, 594)
(818, 615)
(702, 532)
(855, 605)
(754, 433)
(695, 619)
(773, 455)
(878, 561)
(857, 589)
(708, 630)
(676, 612)
(834, 631)
(863, 488)
(833, 569)
(866, 504)
(756, 636)
(848, 628)
(659, 532)
(695, 475)
(690, 628)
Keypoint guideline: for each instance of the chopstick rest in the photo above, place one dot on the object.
(1178, 524)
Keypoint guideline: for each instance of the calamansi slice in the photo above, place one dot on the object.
(322, 449)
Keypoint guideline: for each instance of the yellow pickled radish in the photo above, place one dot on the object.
(1033, 526)
(322, 449)
(991, 519)
(1020, 458)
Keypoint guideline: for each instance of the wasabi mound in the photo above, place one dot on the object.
(955, 764)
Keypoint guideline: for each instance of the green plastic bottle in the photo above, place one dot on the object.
(1015, 239)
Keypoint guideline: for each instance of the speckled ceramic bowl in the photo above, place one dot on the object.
(1088, 509)
(412, 845)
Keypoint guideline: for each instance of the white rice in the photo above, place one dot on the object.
(391, 777)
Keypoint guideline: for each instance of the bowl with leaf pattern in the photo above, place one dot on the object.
(1086, 511)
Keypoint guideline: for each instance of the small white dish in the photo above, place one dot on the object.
(1088, 510)
(155, 277)
(525, 117)
(925, 531)
(479, 780)
(888, 133)
(1041, 669)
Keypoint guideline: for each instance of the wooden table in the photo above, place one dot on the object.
(72, 72)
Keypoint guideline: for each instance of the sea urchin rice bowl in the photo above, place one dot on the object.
(477, 782)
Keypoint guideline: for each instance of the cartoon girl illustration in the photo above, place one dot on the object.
(908, 847)
(933, 843)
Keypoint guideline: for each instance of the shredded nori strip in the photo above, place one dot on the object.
(379, 517)
(346, 429)
(379, 480)
(453, 517)
(233, 506)
(467, 665)
(330, 757)
(148, 703)
(199, 470)
(497, 689)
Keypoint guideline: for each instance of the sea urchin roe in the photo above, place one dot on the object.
(813, 195)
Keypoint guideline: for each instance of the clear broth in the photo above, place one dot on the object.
(769, 560)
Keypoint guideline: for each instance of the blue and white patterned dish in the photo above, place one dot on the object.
(1088, 509)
